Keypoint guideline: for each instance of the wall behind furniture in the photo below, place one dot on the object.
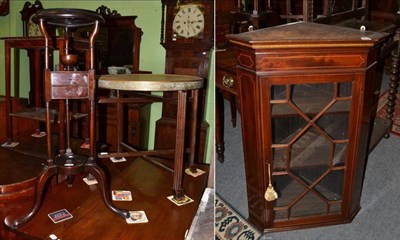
(152, 54)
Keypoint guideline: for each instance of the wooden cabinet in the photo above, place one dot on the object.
(306, 92)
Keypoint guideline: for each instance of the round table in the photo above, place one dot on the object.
(160, 83)
(150, 82)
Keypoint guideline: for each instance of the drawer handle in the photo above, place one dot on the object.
(227, 81)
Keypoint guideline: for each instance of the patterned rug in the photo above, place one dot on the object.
(381, 112)
(230, 225)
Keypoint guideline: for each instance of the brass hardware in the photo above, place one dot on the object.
(228, 81)
(270, 194)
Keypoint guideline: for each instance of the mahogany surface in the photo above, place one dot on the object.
(17, 183)
(150, 187)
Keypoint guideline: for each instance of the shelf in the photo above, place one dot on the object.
(313, 108)
(40, 114)
(312, 148)
(37, 147)
(309, 99)
(327, 193)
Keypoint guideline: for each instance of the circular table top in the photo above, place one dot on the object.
(67, 17)
(150, 82)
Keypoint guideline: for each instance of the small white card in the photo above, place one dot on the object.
(90, 181)
(12, 144)
(117, 160)
(198, 172)
(60, 215)
(85, 145)
(38, 134)
(137, 217)
(121, 195)
(184, 201)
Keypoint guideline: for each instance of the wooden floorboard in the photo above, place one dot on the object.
(150, 185)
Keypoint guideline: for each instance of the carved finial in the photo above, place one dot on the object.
(105, 11)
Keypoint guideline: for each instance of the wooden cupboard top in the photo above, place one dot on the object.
(306, 35)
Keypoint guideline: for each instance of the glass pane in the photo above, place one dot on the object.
(309, 174)
(339, 106)
(312, 98)
(282, 110)
(281, 214)
(335, 125)
(311, 149)
(335, 208)
(310, 204)
(314, 148)
(339, 6)
(340, 154)
(359, 3)
(284, 129)
(331, 186)
(288, 189)
(345, 89)
(278, 92)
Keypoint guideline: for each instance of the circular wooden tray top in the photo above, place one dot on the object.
(150, 82)
(67, 17)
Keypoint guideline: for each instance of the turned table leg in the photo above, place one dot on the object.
(177, 189)
(394, 79)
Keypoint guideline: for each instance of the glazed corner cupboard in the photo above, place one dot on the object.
(307, 104)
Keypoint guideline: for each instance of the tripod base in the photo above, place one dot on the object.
(70, 170)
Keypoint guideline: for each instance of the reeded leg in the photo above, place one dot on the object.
(232, 105)
(8, 92)
(177, 189)
(193, 132)
(46, 173)
(98, 173)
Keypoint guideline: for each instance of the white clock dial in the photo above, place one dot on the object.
(33, 29)
(189, 22)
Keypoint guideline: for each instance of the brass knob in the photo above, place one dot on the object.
(227, 81)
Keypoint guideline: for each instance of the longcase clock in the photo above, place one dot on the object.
(187, 29)
(4, 7)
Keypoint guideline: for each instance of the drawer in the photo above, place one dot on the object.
(227, 81)
(69, 85)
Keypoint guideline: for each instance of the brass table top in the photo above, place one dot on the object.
(150, 82)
